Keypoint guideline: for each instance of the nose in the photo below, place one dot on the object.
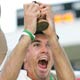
(44, 49)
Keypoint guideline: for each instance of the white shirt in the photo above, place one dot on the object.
(23, 75)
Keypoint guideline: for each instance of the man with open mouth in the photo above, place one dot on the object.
(38, 51)
(38, 60)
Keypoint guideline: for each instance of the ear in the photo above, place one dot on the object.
(25, 58)
(25, 63)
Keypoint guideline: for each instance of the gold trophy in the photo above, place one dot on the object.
(42, 23)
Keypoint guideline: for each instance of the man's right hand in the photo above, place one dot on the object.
(31, 13)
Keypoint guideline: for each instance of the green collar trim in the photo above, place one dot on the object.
(51, 77)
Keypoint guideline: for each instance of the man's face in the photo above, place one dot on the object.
(38, 60)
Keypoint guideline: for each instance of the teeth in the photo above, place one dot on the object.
(44, 58)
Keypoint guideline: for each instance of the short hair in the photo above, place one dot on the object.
(38, 32)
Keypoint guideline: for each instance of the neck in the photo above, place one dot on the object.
(31, 76)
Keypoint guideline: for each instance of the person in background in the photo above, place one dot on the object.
(3, 47)
(38, 51)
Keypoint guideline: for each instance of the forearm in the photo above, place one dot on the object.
(13, 64)
(61, 62)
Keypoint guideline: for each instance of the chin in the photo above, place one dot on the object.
(42, 74)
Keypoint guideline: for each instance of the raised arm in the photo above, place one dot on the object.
(13, 64)
(61, 62)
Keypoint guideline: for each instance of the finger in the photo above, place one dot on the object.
(31, 6)
(43, 5)
(25, 6)
(37, 13)
(40, 4)
(44, 11)
(36, 7)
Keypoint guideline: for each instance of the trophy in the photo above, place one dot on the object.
(42, 23)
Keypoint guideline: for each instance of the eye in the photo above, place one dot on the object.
(48, 45)
(36, 45)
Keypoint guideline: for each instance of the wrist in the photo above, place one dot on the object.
(29, 34)
(25, 39)
(54, 38)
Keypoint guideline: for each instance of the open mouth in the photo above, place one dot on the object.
(43, 63)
